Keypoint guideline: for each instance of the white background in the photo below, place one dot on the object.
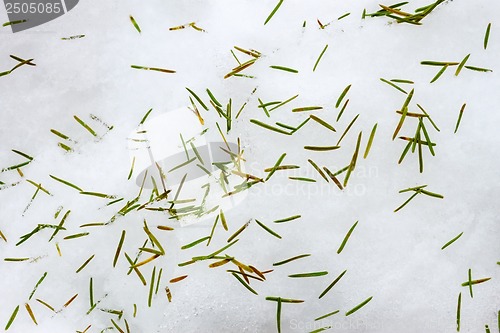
(394, 257)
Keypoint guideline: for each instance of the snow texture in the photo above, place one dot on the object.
(394, 257)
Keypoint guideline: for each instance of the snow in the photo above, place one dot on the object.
(394, 257)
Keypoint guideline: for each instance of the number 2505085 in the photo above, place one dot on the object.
(33, 8)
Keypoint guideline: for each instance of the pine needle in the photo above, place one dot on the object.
(273, 11)
(452, 241)
(342, 95)
(331, 285)
(346, 238)
(462, 64)
(244, 284)
(119, 247)
(487, 36)
(12, 318)
(136, 26)
(269, 230)
(286, 69)
(370, 141)
(359, 306)
(459, 117)
(321, 55)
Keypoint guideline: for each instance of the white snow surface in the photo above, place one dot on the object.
(394, 257)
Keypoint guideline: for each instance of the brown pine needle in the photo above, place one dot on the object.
(239, 231)
(334, 178)
(240, 68)
(146, 261)
(401, 122)
(252, 53)
(30, 312)
(220, 262)
(165, 228)
(241, 265)
(395, 11)
(177, 279)
(70, 301)
(169, 294)
(315, 166)
(85, 264)
(473, 282)
(256, 271)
